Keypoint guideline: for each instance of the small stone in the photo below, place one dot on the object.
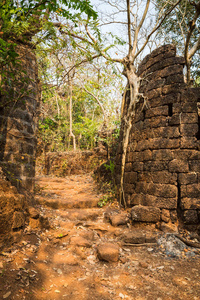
(172, 228)
(18, 220)
(57, 291)
(119, 219)
(33, 212)
(44, 222)
(91, 259)
(80, 241)
(108, 252)
(6, 295)
(123, 260)
(165, 215)
(121, 295)
(59, 271)
(87, 234)
(34, 223)
(143, 265)
(149, 249)
(135, 237)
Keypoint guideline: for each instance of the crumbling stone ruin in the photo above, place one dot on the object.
(162, 172)
(18, 120)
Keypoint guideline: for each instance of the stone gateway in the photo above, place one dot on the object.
(162, 171)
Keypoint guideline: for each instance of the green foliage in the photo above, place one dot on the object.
(21, 20)
(175, 29)
(104, 200)
(110, 167)
(109, 190)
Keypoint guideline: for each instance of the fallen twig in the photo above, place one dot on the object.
(140, 245)
(188, 243)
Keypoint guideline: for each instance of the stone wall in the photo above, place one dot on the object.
(18, 105)
(162, 172)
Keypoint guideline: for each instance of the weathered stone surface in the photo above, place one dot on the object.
(189, 143)
(147, 155)
(162, 190)
(190, 203)
(155, 166)
(137, 199)
(18, 145)
(169, 227)
(18, 220)
(165, 215)
(190, 217)
(189, 118)
(157, 111)
(188, 178)
(34, 223)
(137, 166)
(172, 88)
(108, 252)
(141, 213)
(136, 237)
(80, 241)
(164, 154)
(178, 166)
(34, 213)
(129, 188)
(194, 166)
(174, 216)
(87, 234)
(164, 142)
(160, 202)
(193, 190)
(119, 219)
(189, 129)
(130, 177)
(163, 177)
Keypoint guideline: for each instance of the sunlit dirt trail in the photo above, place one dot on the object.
(61, 261)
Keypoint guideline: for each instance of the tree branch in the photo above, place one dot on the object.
(100, 104)
(129, 26)
(139, 27)
(156, 27)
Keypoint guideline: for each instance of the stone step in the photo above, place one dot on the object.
(87, 214)
(67, 203)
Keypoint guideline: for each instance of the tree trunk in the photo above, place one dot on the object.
(134, 84)
(70, 115)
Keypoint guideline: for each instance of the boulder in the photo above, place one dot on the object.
(80, 241)
(141, 213)
(135, 237)
(18, 220)
(108, 252)
(168, 228)
(119, 219)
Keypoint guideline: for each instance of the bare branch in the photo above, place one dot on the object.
(129, 26)
(99, 103)
(156, 27)
(135, 42)
(194, 49)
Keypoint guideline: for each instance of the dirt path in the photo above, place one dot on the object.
(61, 262)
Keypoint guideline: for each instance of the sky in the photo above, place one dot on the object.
(120, 29)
